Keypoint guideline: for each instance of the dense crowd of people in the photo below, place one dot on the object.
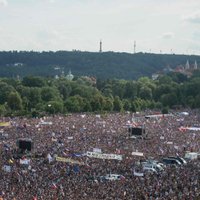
(44, 177)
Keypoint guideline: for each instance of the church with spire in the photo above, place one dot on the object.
(187, 69)
(195, 65)
(191, 67)
(187, 65)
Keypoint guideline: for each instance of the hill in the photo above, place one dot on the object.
(102, 65)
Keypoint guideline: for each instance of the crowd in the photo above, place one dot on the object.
(72, 136)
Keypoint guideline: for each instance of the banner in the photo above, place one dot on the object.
(137, 154)
(97, 150)
(158, 116)
(7, 168)
(162, 137)
(169, 142)
(4, 124)
(45, 123)
(138, 174)
(24, 161)
(54, 139)
(103, 156)
(193, 128)
(69, 160)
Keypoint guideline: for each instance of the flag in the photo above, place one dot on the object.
(68, 170)
(161, 150)
(122, 178)
(76, 169)
(10, 161)
(134, 124)
(77, 154)
(118, 151)
(6, 146)
(49, 157)
(54, 186)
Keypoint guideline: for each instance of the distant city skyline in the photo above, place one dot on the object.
(155, 26)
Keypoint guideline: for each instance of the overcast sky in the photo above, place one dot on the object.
(156, 25)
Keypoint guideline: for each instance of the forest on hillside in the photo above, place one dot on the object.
(37, 96)
(100, 65)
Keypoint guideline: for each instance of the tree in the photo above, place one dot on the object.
(87, 106)
(139, 104)
(178, 77)
(97, 102)
(33, 81)
(118, 106)
(54, 107)
(160, 90)
(193, 87)
(118, 88)
(107, 91)
(190, 101)
(165, 80)
(84, 91)
(108, 104)
(165, 110)
(74, 104)
(5, 90)
(197, 101)
(145, 93)
(158, 105)
(126, 105)
(2, 110)
(169, 99)
(34, 97)
(133, 107)
(14, 101)
(130, 90)
(49, 94)
(65, 89)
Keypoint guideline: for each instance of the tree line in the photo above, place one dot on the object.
(102, 65)
(35, 96)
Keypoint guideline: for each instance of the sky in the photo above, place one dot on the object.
(157, 26)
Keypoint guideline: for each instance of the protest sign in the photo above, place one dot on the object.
(137, 154)
(104, 156)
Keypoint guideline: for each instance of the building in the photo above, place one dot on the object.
(70, 76)
(187, 65)
(195, 65)
(155, 76)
